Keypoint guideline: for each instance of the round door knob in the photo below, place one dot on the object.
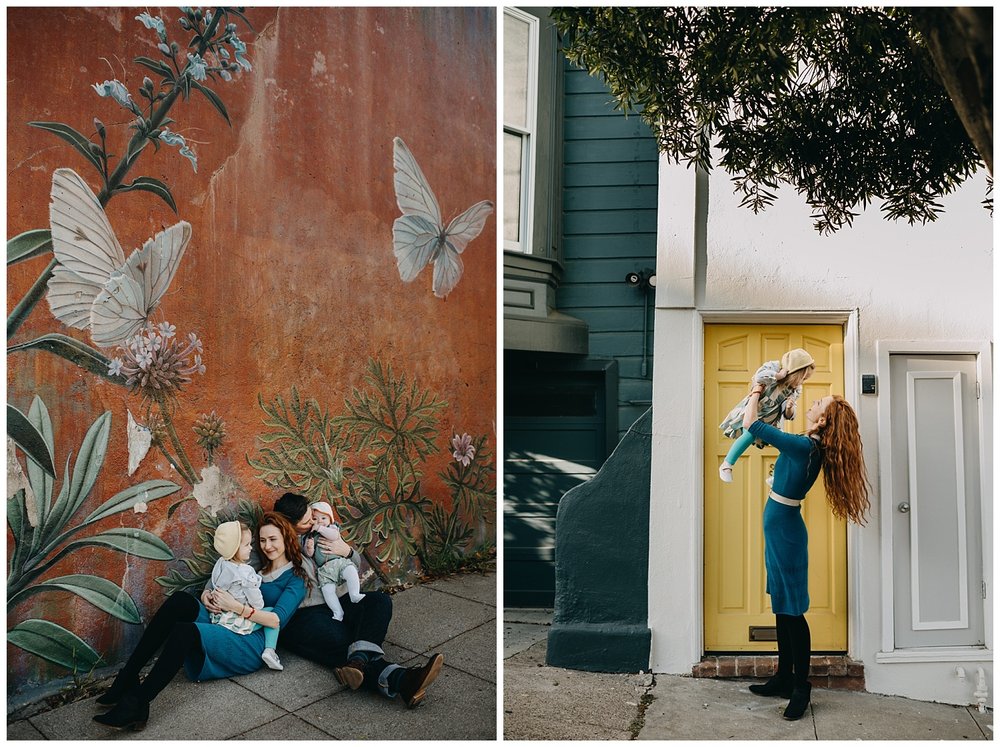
(904, 508)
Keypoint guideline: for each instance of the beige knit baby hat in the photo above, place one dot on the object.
(227, 539)
(796, 360)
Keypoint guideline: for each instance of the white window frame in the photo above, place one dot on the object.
(528, 136)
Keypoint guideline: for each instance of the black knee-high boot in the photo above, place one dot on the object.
(781, 683)
(179, 607)
(132, 710)
(802, 650)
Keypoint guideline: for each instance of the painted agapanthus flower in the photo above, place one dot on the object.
(157, 365)
(462, 449)
(197, 67)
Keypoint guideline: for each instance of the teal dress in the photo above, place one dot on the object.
(227, 653)
(786, 542)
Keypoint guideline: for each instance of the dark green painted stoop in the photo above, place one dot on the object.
(602, 553)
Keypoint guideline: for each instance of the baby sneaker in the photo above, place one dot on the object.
(726, 472)
(270, 658)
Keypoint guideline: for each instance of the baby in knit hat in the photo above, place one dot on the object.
(782, 382)
(232, 573)
(331, 570)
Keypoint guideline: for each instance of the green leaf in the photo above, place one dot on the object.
(89, 461)
(17, 519)
(149, 184)
(29, 245)
(28, 438)
(76, 352)
(130, 541)
(214, 99)
(41, 483)
(72, 137)
(156, 66)
(54, 643)
(106, 595)
(175, 506)
(145, 492)
(30, 299)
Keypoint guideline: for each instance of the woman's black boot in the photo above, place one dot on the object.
(130, 713)
(778, 685)
(123, 684)
(799, 703)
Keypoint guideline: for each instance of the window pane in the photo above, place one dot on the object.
(515, 71)
(512, 145)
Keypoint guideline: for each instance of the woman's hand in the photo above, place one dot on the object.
(309, 547)
(208, 599)
(334, 547)
(226, 601)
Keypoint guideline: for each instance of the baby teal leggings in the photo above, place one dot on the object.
(739, 446)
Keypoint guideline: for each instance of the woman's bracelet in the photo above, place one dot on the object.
(252, 610)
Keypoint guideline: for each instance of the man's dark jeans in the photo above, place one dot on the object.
(313, 634)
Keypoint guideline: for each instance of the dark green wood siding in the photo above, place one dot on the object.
(609, 230)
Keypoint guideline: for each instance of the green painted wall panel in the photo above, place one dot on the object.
(577, 80)
(604, 128)
(643, 149)
(609, 221)
(636, 246)
(608, 198)
(611, 175)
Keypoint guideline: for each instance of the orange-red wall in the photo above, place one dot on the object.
(290, 279)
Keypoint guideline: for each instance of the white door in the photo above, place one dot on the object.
(936, 525)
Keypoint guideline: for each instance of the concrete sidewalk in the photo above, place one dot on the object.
(542, 702)
(455, 616)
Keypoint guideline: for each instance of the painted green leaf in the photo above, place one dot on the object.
(27, 437)
(214, 99)
(79, 353)
(130, 541)
(71, 136)
(17, 519)
(149, 184)
(41, 483)
(106, 595)
(54, 643)
(145, 492)
(28, 245)
(89, 461)
(156, 66)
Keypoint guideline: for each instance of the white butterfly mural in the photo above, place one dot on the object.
(94, 286)
(419, 236)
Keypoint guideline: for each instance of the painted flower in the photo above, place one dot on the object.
(172, 138)
(462, 449)
(115, 367)
(240, 50)
(116, 90)
(191, 156)
(157, 366)
(197, 67)
(153, 22)
(167, 330)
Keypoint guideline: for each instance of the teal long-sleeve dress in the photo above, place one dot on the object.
(786, 542)
(227, 653)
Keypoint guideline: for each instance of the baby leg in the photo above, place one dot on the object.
(270, 656)
(740, 445)
(332, 601)
(353, 583)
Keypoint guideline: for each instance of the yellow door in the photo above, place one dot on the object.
(737, 608)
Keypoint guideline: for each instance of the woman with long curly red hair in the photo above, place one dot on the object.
(181, 626)
(832, 444)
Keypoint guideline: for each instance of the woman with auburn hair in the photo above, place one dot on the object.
(832, 444)
(207, 651)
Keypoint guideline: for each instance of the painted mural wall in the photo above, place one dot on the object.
(264, 262)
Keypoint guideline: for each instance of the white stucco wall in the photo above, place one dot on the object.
(897, 282)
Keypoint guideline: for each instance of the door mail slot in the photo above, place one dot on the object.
(763, 633)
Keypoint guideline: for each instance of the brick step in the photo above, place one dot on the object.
(833, 672)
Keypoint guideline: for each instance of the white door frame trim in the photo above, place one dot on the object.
(983, 351)
(848, 318)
